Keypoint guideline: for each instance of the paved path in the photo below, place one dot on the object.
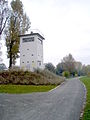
(63, 103)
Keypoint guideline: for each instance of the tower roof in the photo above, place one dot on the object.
(33, 34)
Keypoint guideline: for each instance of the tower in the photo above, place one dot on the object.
(31, 51)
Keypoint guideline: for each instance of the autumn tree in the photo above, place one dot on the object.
(18, 24)
(69, 64)
(85, 70)
(78, 67)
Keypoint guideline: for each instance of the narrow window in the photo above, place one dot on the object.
(39, 63)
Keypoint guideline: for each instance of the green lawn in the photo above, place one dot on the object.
(25, 88)
(86, 81)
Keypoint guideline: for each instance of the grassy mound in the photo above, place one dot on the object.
(29, 78)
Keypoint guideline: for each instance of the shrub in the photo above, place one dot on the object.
(66, 74)
(76, 75)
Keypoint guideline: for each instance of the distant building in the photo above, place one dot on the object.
(31, 51)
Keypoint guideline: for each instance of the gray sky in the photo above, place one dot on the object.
(65, 25)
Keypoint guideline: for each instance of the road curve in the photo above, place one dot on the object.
(63, 103)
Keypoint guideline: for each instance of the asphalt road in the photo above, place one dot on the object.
(63, 103)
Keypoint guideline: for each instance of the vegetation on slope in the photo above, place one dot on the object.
(30, 78)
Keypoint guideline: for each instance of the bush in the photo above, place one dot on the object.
(76, 75)
(66, 74)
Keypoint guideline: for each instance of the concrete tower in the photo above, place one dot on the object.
(31, 51)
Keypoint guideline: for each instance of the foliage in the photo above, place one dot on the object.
(29, 78)
(18, 89)
(17, 24)
(85, 69)
(86, 81)
(74, 67)
(50, 67)
(78, 67)
(66, 74)
(68, 63)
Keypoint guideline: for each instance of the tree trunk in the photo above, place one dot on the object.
(10, 61)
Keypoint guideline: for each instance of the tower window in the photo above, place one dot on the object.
(31, 39)
(39, 63)
(27, 61)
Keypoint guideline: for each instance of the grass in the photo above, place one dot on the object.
(18, 89)
(86, 81)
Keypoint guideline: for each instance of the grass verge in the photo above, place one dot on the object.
(18, 89)
(86, 81)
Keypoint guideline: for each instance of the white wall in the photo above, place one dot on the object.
(31, 53)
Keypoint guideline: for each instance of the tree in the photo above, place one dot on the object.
(59, 69)
(85, 69)
(4, 14)
(18, 24)
(50, 67)
(69, 64)
(78, 67)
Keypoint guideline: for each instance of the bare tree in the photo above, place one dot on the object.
(4, 10)
(3, 15)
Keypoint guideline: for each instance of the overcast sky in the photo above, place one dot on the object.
(65, 25)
